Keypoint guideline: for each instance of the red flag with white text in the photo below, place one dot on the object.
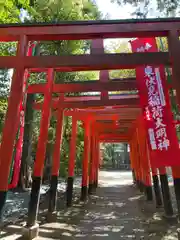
(155, 103)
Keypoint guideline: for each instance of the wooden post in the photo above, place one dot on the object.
(85, 163)
(72, 158)
(55, 163)
(11, 122)
(41, 150)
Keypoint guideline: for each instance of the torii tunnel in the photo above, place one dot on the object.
(105, 117)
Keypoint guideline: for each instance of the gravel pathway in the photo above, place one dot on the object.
(116, 211)
(17, 202)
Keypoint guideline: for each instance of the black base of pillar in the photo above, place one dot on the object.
(157, 191)
(53, 194)
(148, 193)
(91, 188)
(3, 195)
(141, 187)
(134, 177)
(96, 184)
(166, 195)
(177, 193)
(137, 184)
(69, 191)
(34, 201)
(84, 193)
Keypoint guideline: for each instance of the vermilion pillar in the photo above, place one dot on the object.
(55, 162)
(93, 172)
(132, 161)
(41, 150)
(139, 166)
(136, 161)
(144, 160)
(155, 179)
(11, 122)
(147, 177)
(92, 166)
(96, 169)
(85, 164)
(72, 157)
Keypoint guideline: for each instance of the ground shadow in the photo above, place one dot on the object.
(116, 211)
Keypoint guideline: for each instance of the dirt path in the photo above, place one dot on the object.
(116, 211)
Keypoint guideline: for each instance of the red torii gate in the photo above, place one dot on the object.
(97, 60)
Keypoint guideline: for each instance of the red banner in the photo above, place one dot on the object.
(155, 102)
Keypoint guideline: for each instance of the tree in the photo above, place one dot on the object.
(4, 91)
(10, 10)
(121, 46)
(115, 155)
(4, 83)
(165, 8)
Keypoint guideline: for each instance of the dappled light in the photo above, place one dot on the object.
(118, 211)
(115, 212)
(89, 121)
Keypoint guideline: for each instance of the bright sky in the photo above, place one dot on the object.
(113, 10)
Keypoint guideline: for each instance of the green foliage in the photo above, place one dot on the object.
(165, 8)
(60, 10)
(9, 13)
(120, 46)
(4, 91)
(115, 155)
(3, 108)
(4, 84)
(10, 10)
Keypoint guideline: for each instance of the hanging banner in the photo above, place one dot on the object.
(155, 103)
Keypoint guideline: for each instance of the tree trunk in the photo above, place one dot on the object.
(24, 176)
(48, 163)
